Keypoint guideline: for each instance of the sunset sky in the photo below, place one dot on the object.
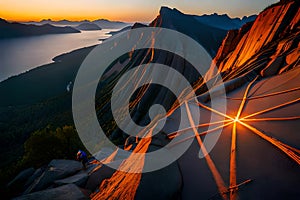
(123, 10)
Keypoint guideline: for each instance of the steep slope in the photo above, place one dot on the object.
(269, 46)
(208, 36)
(257, 155)
(9, 30)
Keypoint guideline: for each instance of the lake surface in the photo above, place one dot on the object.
(18, 55)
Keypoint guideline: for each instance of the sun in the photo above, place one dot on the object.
(230, 191)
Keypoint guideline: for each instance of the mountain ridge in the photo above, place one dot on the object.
(14, 29)
(103, 23)
(224, 21)
(209, 37)
(88, 26)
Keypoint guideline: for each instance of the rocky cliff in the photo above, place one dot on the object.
(269, 45)
(208, 36)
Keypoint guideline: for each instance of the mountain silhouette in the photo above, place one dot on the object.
(10, 30)
(87, 26)
(208, 36)
(103, 23)
(224, 21)
(107, 24)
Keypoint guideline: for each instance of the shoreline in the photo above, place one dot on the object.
(43, 65)
(28, 66)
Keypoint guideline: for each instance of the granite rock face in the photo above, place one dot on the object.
(57, 169)
(65, 192)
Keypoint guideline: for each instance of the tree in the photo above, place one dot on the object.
(47, 144)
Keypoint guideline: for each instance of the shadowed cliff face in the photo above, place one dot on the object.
(208, 36)
(270, 45)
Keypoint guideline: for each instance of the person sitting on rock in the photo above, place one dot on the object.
(82, 157)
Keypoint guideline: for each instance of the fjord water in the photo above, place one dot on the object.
(18, 55)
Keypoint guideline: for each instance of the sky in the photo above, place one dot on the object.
(122, 10)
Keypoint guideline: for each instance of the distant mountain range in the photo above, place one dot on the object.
(102, 23)
(214, 20)
(213, 26)
(224, 21)
(10, 30)
(88, 26)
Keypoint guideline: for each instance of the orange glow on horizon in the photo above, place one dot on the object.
(26, 17)
(33, 10)
(117, 10)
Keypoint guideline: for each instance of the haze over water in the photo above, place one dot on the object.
(22, 54)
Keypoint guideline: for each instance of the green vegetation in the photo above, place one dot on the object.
(46, 145)
(42, 147)
(31, 102)
(34, 100)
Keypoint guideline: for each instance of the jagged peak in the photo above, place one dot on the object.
(3, 20)
(138, 25)
(164, 10)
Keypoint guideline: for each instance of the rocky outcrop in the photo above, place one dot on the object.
(269, 46)
(65, 192)
(78, 179)
(57, 169)
(230, 42)
(61, 179)
(17, 184)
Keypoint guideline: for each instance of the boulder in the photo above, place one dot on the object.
(17, 184)
(68, 166)
(78, 179)
(57, 169)
(34, 176)
(64, 192)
